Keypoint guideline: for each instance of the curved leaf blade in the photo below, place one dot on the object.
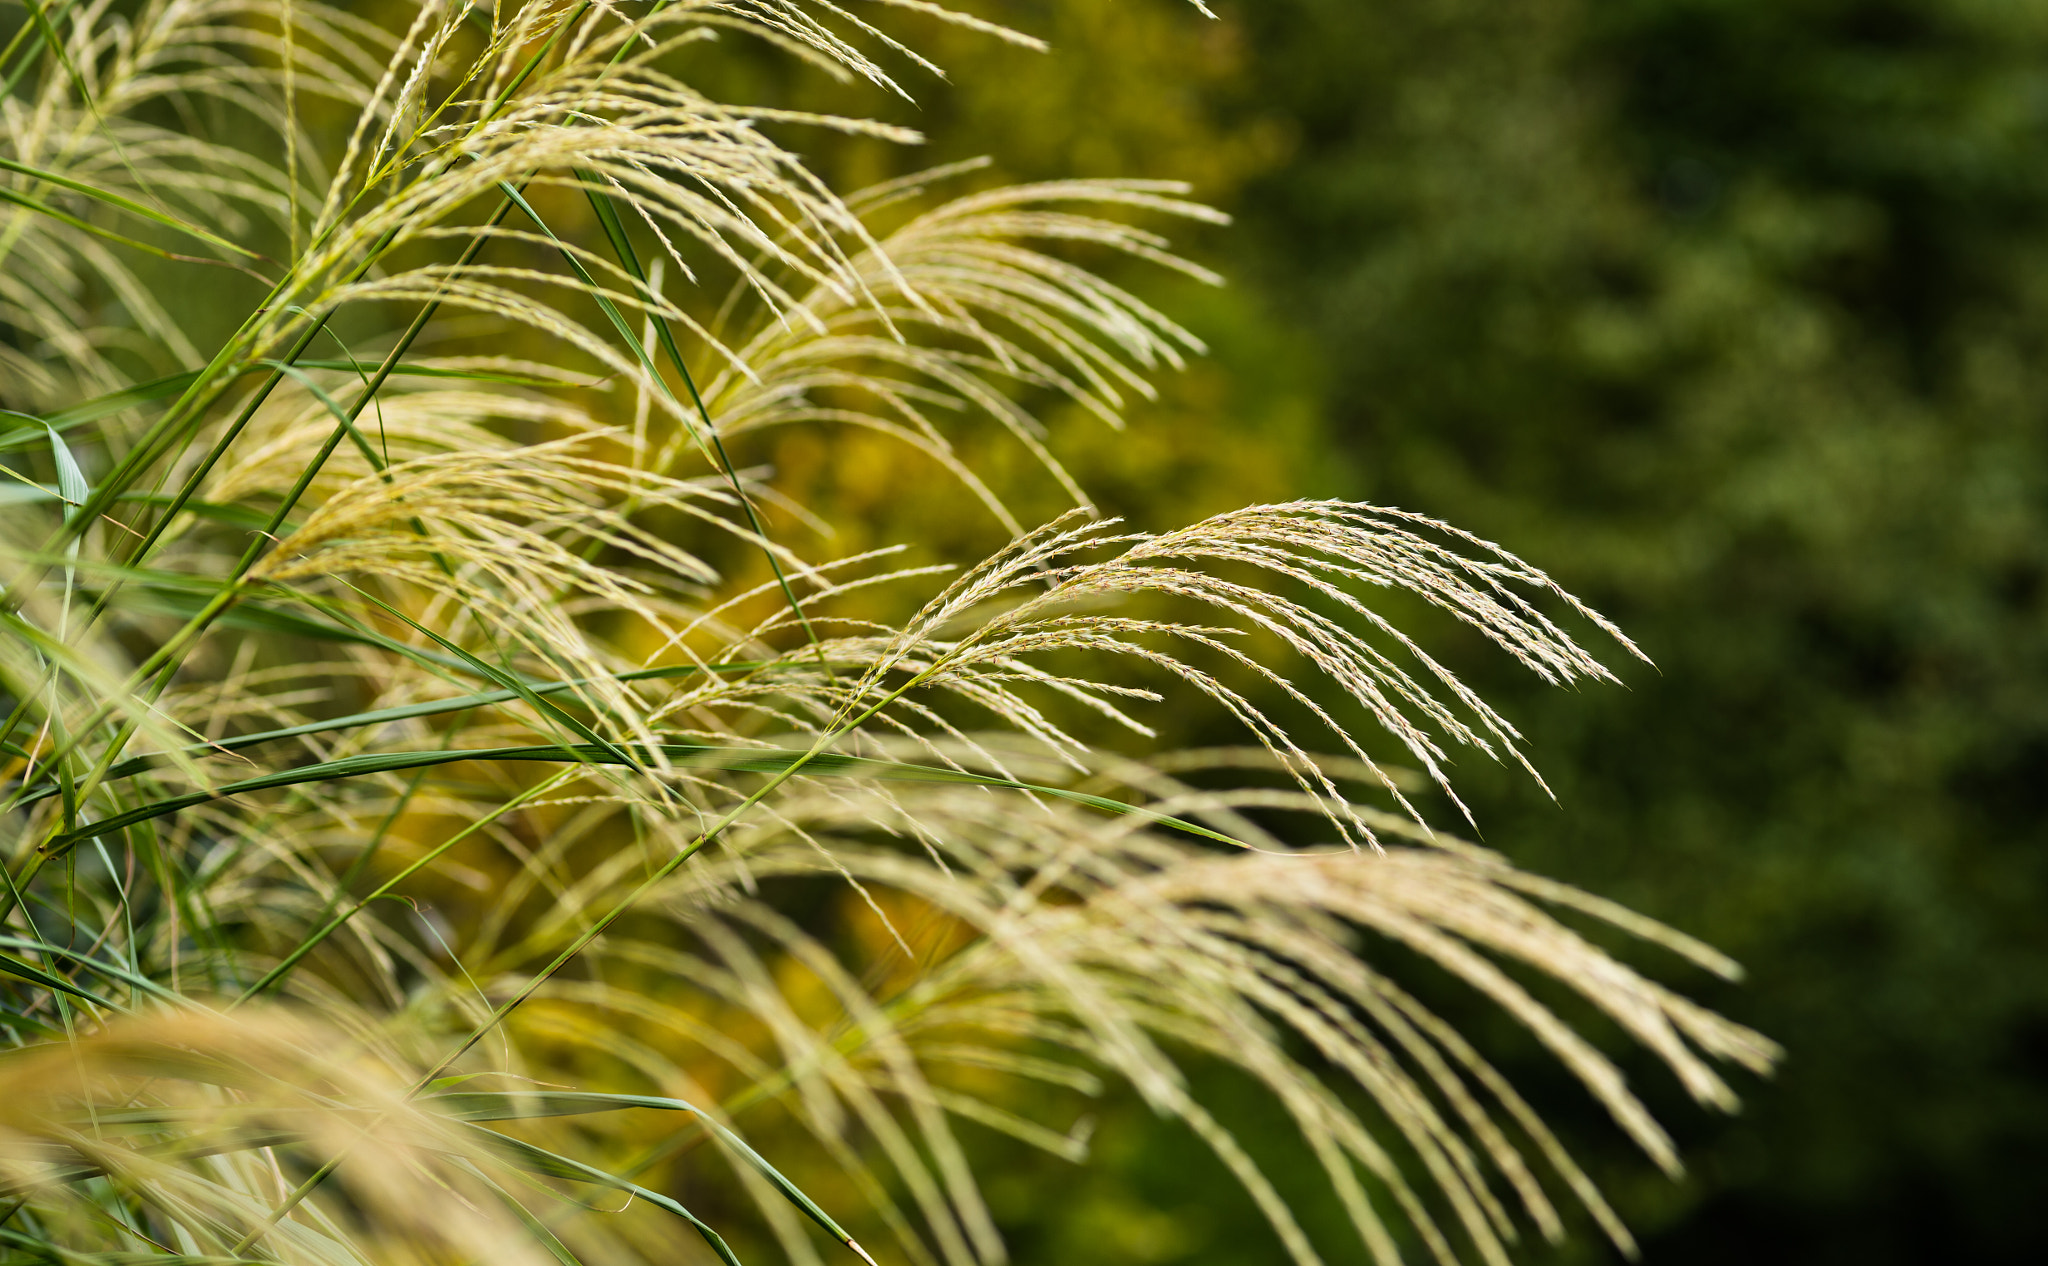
(746, 760)
(129, 205)
(515, 1105)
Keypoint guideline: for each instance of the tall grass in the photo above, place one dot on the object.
(454, 806)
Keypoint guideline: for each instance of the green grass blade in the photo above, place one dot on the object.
(518, 684)
(86, 226)
(747, 760)
(411, 711)
(13, 966)
(381, 716)
(518, 1105)
(32, 33)
(71, 485)
(541, 1161)
(129, 205)
(112, 971)
(463, 375)
(100, 406)
(253, 615)
(232, 515)
(343, 418)
(540, 1230)
(170, 385)
(709, 440)
(615, 231)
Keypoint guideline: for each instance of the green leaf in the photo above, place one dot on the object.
(71, 485)
(525, 1105)
(172, 1151)
(384, 716)
(13, 1018)
(163, 388)
(116, 200)
(590, 283)
(112, 971)
(708, 439)
(232, 516)
(255, 615)
(127, 398)
(516, 1105)
(613, 754)
(30, 972)
(464, 375)
(750, 760)
(64, 217)
(534, 1226)
(71, 488)
(333, 407)
(540, 1161)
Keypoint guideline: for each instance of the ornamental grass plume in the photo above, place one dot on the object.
(458, 813)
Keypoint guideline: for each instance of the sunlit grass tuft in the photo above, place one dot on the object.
(432, 757)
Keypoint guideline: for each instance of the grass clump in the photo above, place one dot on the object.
(450, 794)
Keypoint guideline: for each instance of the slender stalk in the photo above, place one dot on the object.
(432, 855)
(708, 439)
